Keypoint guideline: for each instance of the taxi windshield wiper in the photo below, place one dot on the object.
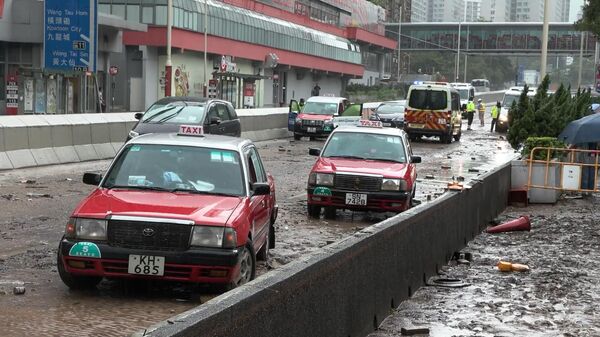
(167, 109)
(349, 157)
(139, 187)
(202, 192)
(387, 159)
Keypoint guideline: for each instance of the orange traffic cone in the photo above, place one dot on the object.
(520, 224)
(507, 266)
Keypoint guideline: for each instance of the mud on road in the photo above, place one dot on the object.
(559, 296)
(35, 205)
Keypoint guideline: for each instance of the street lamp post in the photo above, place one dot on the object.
(205, 47)
(168, 64)
(544, 41)
(399, 36)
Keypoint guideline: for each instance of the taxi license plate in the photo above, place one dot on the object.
(312, 130)
(146, 265)
(359, 199)
(387, 124)
(416, 126)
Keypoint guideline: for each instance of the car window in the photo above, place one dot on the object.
(223, 112)
(320, 108)
(257, 172)
(365, 146)
(389, 109)
(175, 114)
(186, 168)
(455, 101)
(232, 113)
(428, 99)
(212, 112)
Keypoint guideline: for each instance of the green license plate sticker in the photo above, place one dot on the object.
(322, 191)
(135, 148)
(136, 180)
(85, 249)
(228, 157)
(327, 128)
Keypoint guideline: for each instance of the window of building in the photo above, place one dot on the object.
(118, 10)
(161, 15)
(133, 13)
(148, 15)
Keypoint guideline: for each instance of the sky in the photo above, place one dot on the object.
(574, 10)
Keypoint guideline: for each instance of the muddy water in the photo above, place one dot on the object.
(35, 204)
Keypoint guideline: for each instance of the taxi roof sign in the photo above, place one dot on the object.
(370, 124)
(191, 130)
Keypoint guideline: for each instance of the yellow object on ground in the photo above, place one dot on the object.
(507, 266)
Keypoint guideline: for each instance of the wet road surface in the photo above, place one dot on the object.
(35, 205)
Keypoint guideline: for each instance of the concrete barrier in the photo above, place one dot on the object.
(348, 288)
(35, 140)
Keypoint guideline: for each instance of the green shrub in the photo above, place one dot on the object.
(533, 142)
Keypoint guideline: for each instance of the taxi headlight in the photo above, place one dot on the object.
(219, 237)
(312, 179)
(324, 179)
(133, 134)
(503, 118)
(393, 185)
(87, 229)
(298, 120)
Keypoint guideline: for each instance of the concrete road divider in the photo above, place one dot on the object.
(349, 287)
(36, 140)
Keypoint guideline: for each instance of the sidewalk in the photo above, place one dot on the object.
(559, 296)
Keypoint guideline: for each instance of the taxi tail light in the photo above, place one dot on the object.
(70, 229)
(449, 114)
(229, 238)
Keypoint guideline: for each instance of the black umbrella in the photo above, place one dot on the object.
(583, 130)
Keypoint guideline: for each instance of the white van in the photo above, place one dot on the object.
(465, 90)
(481, 84)
(511, 95)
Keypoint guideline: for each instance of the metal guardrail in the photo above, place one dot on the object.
(575, 169)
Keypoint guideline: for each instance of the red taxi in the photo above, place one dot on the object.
(173, 207)
(364, 168)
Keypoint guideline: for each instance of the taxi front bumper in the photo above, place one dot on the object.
(316, 130)
(200, 265)
(383, 201)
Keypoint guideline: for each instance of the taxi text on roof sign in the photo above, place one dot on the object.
(370, 124)
(191, 130)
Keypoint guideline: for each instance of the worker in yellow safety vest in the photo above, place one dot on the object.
(470, 112)
(481, 111)
(495, 115)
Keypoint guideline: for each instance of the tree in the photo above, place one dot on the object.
(590, 20)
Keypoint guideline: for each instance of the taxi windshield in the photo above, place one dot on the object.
(385, 109)
(464, 93)
(175, 114)
(176, 168)
(320, 108)
(367, 146)
(509, 99)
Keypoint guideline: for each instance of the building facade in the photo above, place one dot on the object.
(524, 11)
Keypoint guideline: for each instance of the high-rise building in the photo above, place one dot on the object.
(419, 11)
(445, 10)
(524, 11)
(472, 10)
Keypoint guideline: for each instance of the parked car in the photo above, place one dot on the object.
(173, 207)
(363, 168)
(391, 114)
(511, 95)
(320, 115)
(167, 114)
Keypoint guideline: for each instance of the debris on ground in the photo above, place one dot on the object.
(39, 195)
(414, 331)
(521, 224)
(19, 290)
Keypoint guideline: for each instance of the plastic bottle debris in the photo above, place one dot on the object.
(506, 266)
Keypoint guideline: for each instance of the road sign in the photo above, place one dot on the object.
(70, 35)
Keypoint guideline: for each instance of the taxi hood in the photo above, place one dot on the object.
(309, 116)
(202, 209)
(386, 169)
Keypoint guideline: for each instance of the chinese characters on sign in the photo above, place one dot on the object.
(70, 33)
(12, 95)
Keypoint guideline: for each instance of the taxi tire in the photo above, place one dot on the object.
(251, 257)
(330, 212)
(75, 282)
(314, 211)
(457, 136)
(297, 137)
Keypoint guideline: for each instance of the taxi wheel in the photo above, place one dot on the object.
(297, 137)
(330, 212)
(73, 281)
(457, 136)
(247, 264)
(314, 211)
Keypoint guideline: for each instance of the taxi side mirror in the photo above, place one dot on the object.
(138, 115)
(261, 189)
(314, 152)
(415, 159)
(215, 120)
(92, 178)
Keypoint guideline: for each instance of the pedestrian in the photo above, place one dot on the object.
(481, 111)
(495, 115)
(301, 103)
(101, 100)
(316, 90)
(470, 112)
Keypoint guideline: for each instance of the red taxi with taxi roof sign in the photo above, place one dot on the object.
(365, 168)
(184, 207)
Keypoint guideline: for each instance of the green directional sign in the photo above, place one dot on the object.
(85, 249)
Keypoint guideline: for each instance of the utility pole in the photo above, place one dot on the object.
(544, 41)
(399, 36)
(583, 34)
(457, 55)
(205, 90)
(168, 64)
(467, 48)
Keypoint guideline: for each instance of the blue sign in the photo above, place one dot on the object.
(70, 35)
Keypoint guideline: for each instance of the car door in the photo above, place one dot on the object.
(259, 204)
(227, 126)
(235, 126)
(294, 110)
(213, 122)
